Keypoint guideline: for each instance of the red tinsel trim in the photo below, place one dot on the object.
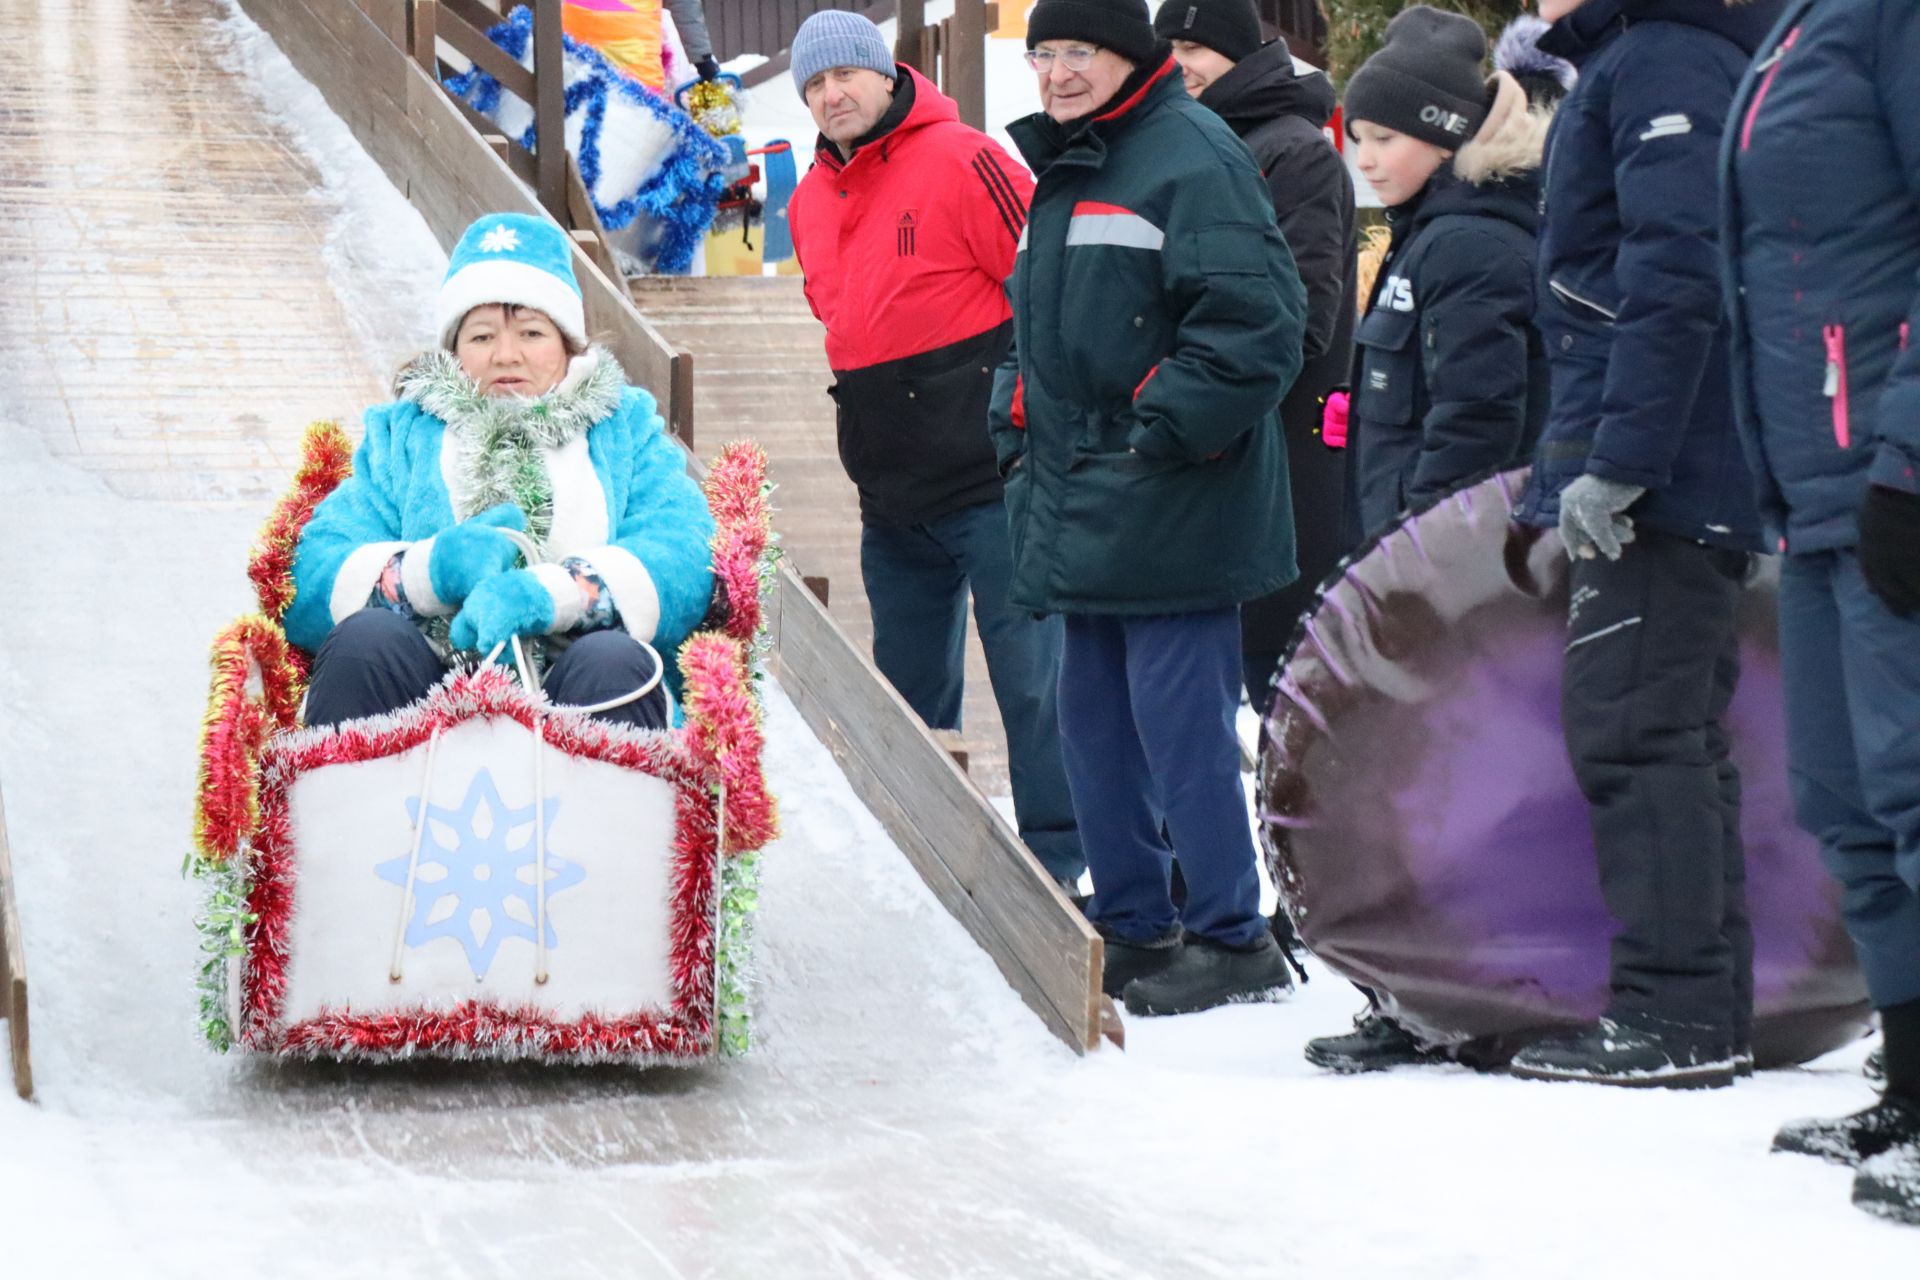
(736, 493)
(477, 1028)
(326, 458)
(723, 733)
(238, 722)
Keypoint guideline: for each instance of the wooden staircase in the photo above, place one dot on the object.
(762, 374)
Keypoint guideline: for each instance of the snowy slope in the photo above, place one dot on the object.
(903, 1116)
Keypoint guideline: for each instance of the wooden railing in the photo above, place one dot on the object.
(13, 969)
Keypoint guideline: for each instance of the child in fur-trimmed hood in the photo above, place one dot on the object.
(516, 427)
(1449, 379)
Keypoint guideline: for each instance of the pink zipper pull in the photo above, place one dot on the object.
(1835, 388)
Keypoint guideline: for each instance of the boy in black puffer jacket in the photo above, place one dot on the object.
(1450, 379)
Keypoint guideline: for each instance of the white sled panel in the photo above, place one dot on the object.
(470, 931)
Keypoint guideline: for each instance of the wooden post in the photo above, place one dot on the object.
(13, 970)
(909, 43)
(680, 398)
(550, 108)
(424, 16)
(966, 81)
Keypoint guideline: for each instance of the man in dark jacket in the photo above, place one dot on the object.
(1157, 325)
(1821, 177)
(906, 227)
(1641, 450)
(1282, 117)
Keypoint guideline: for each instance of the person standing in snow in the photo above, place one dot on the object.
(1158, 322)
(1282, 115)
(1450, 379)
(905, 228)
(1821, 243)
(514, 423)
(1640, 469)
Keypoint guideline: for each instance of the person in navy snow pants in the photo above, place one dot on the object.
(1821, 250)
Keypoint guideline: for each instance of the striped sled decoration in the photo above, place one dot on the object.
(482, 875)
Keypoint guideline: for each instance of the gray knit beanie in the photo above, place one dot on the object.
(836, 38)
(1426, 80)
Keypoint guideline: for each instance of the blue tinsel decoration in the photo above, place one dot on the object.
(682, 194)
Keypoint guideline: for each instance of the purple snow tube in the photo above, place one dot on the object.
(1423, 823)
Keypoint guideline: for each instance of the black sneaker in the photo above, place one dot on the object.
(1376, 1043)
(1851, 1139)
(1205, 974)
(1888, 1185)
(1126, 960)
(1617, 1053)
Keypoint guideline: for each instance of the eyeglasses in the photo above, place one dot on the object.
(1077, 59)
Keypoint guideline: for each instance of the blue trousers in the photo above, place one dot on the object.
(1852, 672)
(1146, 725)
(376, 661)
(918, 578)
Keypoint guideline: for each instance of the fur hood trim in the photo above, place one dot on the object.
(1511, 141)
(499, 443)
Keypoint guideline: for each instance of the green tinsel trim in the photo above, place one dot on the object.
(739, 900)
(222, 923)
(503, 438)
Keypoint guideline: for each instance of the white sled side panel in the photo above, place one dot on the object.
(470, 931)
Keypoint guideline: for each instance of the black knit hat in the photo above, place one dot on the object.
(1426, 80)
(1119, 25)
(1231, 28)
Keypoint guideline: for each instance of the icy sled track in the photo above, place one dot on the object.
(196, 260)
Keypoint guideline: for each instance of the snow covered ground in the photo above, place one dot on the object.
(903, 1115)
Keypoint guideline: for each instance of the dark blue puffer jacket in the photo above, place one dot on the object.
(1822, 240)
(1630, 301)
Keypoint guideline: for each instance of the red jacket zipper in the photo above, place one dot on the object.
(1760, 96)
(1836, 388)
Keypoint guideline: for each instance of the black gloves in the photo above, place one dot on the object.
(707, 67)
(1890, 548)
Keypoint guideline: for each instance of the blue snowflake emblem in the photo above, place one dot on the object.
(476, 879)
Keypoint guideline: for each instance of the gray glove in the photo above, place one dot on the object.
(1591, 519)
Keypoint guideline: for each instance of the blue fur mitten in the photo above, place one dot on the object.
(519, 602)
(461, 558)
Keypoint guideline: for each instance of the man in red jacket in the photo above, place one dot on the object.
(906, 229)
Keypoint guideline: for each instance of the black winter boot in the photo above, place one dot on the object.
(1852, 1139)
(1631, 1053)
(1376, 1043)
(1126, 960)
(1888, 1184)
(1205, 974)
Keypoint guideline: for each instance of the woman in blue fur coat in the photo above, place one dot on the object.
(517, 423)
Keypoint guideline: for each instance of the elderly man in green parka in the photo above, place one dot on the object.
(1158, 320)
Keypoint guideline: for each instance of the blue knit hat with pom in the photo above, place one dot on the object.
(517, 260)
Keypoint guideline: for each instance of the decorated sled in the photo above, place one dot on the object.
(483, 874)
(1423, 823)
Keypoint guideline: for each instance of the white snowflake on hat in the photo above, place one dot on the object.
(501, 239)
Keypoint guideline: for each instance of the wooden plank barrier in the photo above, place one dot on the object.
(13, 969)
(949, 831)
